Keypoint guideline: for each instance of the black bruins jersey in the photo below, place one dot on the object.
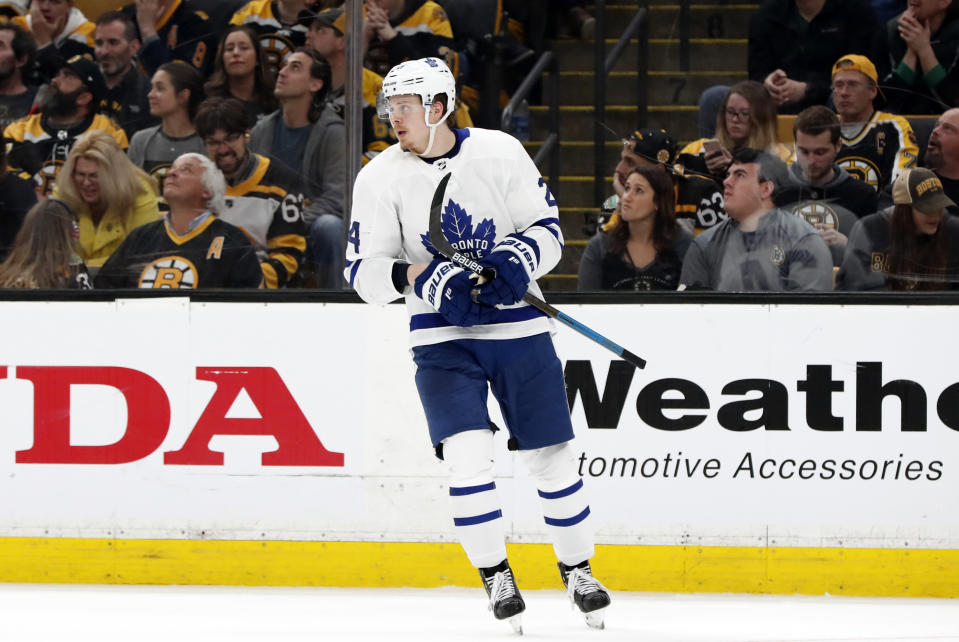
(39, 148)
(183, 33)
(277, 40)
(213, 255)
(268, 206)
(877, 154)
(377, 133)
(699, 200)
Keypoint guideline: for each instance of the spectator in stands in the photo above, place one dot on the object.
(822, 192)
(278, 27)
(175, 94)
(172, 30)
(60, 31)
(746, 118)
(17, 50)
(308, 136)
(266, 197)
(793, 44)
(238, 72)
(398, 30)
(644, 250)
(41, 142)
(698, 200)
(942, 152)
(17, 196)
(326, 36)
(760, 247)
(919, 62)
(913, 245)
(45, 253)
(191, 247)
(115, 47)
(111, 195)
(876, 146)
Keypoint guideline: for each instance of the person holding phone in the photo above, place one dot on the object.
(747, 118)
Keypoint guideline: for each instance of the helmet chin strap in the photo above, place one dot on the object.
(429, 145)
(432, 126)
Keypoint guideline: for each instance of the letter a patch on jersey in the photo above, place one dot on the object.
(216, 248)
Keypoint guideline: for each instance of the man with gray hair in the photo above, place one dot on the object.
(760, 248)
(190, 247)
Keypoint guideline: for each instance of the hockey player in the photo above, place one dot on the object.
(190, 247)
(264, 199)
(876, 146)
(466, 336)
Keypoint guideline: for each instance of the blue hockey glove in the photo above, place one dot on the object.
(514, 259)
(447, 288)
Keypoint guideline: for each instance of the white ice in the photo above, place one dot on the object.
(212, 614)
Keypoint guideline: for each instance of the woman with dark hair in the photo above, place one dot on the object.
(645, 249)
(176, 90)
(913, 245)
(46, 252)
(746, 118)
(240, 72)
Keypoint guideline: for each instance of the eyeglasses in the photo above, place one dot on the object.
(732, 114)
(83, 178)
(229, 140)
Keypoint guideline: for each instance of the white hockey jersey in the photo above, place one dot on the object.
(495, 190)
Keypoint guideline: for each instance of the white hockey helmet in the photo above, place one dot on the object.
(426, 78)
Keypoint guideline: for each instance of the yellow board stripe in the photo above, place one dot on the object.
(673, 569)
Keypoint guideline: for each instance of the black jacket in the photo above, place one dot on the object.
(913, 94)
(776, 42)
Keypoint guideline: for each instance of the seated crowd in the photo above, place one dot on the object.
(185, 139)
(851, 202)
(160, 127)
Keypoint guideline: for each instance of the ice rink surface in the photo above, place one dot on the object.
(77, 613)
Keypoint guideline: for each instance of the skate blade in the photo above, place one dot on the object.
(596, 619)
(517, 623)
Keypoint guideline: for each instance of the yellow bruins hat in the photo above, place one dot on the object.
(855, 62)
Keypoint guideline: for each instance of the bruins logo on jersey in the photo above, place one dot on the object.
(861, 169)
(817, 213)
(170, 272)
(276, 48)
(777, 256)
(879, 262)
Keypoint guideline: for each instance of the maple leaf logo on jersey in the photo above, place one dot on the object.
(458, 229)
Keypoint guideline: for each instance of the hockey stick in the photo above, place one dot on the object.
(443, 246)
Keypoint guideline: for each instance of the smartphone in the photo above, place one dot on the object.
(711, 147)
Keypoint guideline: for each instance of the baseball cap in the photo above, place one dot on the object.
(334, 17)
(657, 146)
(922, 189)
(89, 74)
(855, 62)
